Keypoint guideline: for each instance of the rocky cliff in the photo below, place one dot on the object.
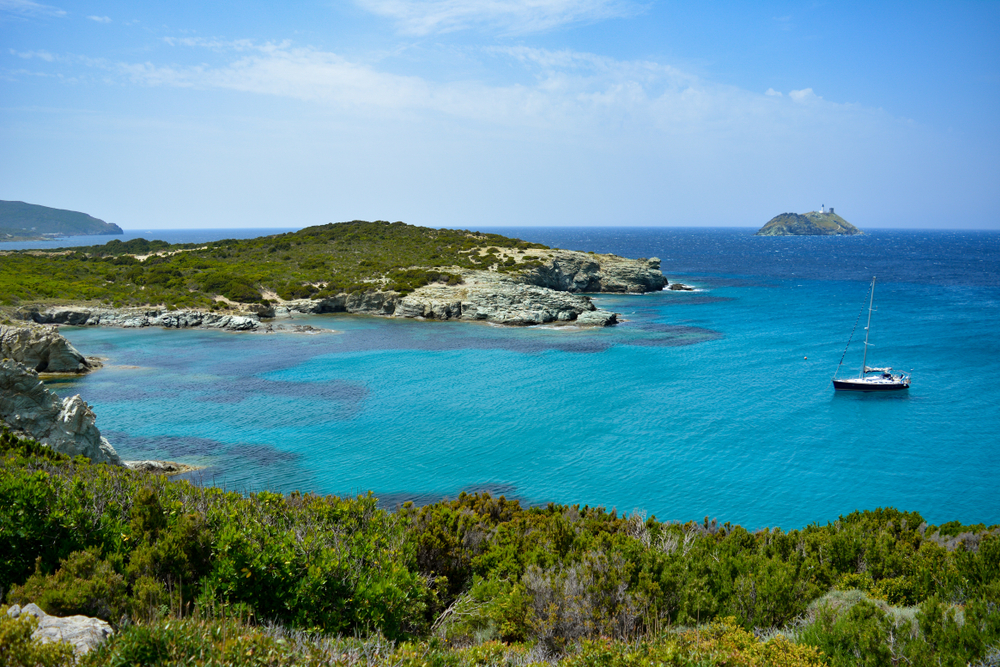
(67, 425)
(42, 349)
(570, 271)
(482, 296)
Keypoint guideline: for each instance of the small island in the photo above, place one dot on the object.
(814, 223)
(20, 221)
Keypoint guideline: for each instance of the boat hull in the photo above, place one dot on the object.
(862, 385)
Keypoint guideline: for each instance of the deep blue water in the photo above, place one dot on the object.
(716, 402)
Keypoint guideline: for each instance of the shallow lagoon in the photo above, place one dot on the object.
(716, 402)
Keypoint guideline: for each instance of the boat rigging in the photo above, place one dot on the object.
(870, 378)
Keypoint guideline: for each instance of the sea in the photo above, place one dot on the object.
(715, 402)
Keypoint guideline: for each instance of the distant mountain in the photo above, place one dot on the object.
(812, 223)
(20, 221)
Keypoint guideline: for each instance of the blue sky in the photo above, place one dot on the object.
(476, 113)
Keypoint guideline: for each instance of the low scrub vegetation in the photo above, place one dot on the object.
(315, 262)
(273, 579)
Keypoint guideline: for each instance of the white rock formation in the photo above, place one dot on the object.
(43, 349)
(82, 632)
(133, 318)
(571, 271)
(67, 426)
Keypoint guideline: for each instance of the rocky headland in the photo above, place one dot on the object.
(65, 425)
(20, 221)
(42, 348)
(550, 290)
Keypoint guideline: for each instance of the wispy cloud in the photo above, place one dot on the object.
(218, 45)
(29, 8)
(804, 95)
(100, 19)
(422, 17)
(28, 55)
(569, 92)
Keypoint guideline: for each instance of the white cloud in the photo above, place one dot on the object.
(422, 17)
(28, 55)
(571, 92)
(804, 95)
(772, 92)
(29, 8)
(218, 45)
(100, 19)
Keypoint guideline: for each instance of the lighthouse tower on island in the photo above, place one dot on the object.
(824, 209)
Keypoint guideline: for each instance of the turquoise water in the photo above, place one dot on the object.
(716, 402)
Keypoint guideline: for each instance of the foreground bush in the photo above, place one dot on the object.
(18, 649)
(145, 553)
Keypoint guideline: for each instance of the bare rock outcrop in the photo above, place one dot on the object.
(83, 633)
(572, 271)
(133, 318)
(43, 349)
(67, 425)
(483, 297)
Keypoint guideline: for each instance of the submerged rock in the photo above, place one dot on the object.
(159, 467)
(67, 426)
(42, 349)
(83, 633)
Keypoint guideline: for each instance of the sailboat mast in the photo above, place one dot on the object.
(864, 360)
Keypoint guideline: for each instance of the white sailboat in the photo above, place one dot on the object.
(870, 378)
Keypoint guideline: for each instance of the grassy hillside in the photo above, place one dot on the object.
(185, 570)
(314, 262)
(21, 221)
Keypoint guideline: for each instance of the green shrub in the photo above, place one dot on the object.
(84, 584)
(18, 649)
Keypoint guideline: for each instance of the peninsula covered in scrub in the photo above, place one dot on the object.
(378, 268)
(20, 221)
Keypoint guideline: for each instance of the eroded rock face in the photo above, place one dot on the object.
(484, 298)
(570, 271)
(130, 318)
(67, 426)
(42, 349)
(82, 632)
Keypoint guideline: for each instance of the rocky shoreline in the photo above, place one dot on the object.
(30, 409)
(550, 292)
